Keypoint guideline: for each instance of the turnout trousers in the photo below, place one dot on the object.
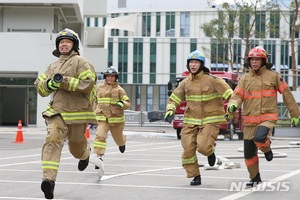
(263, 131)
(57, 133)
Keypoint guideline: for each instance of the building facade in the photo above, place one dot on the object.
(28, 30)
(167, 31)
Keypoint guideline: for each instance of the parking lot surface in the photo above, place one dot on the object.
(149, 169)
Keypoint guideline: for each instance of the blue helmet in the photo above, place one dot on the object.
(196, 55)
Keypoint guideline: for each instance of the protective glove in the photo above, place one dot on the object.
(228, 116)
(120, 104)
(232, 108)
(295, 121)
(52, 85)
(168, 114)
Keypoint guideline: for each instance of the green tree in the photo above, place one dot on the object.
(239, 22)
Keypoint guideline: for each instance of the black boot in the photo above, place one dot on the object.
(82, 164)
(196, 180)
(256, 180)
(211, 159)
(122, 148)
(269, 155)
(48, 188)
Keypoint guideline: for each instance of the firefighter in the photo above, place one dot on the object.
(257, 91)
(111, 101)
(70, 80)
(203, 114)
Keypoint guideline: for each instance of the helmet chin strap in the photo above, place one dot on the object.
(197, 72)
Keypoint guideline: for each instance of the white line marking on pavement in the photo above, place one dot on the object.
(275, 180)
(138, 172)
(25, 198)
(117, 185)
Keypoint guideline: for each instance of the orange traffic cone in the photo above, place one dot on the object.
(87, 132)
(19, 136)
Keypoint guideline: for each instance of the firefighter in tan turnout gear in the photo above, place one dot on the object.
(257, 91)
(111, 101)
(203, 114)
(70, 80)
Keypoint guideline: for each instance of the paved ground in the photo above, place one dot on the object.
(149, 169)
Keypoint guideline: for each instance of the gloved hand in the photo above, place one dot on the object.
(120, 104)
(52, 85)
(232, 108)
(295, 121)
(228, 116)
(168, 114)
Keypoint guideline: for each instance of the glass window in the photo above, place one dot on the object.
(149, 98)
(170, 24)
(291, 23)
(173, 50)
(184, 24)
(96, 22)
(260, 24)
(122, 3)
(153, 60)
(123, 60)
(274, 24)
(110, 52)
(138, 60)
(244, 24)
(270, 47)
(158, 24)
(88, 22)
(163, 97)
(193, 44)
(219, 55)
(146, 24)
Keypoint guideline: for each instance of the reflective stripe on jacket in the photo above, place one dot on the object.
(105, 105)
(203, 94)
(72, 100)
(258, 92)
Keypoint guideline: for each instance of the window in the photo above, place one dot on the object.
(270, 47)
(146, 24)
(157, 24)
(149, 98)
(173, 50)
(284, 60)
(121, 3)
(170, 24)
(123, 60)
(138, 60)
(184, 24)
(291, 23)
(219, 56)
(260, 25)
(152, 61)
(193, 44)
(88, 21)
(110, 52)
(274, 24)
(96, 22)
(163, 97)
(244, 24)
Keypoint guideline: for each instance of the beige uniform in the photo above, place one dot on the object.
(258, 94)
(204, 113)
(110, 116)
(69, 111)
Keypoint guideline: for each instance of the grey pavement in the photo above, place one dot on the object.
(149, 169)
